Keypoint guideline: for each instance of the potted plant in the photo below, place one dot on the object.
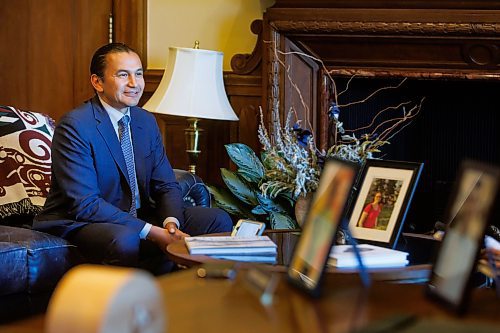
(270, 188)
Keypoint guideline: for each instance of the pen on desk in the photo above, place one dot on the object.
(224, 273)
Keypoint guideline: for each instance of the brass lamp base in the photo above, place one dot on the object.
(193, 133)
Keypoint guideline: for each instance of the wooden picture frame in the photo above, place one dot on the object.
(469, 210)
(391, 184)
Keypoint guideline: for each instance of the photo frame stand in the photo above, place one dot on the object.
(363, 273)
(262, 284)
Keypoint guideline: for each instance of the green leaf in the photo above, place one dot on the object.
(228, 202)
(270, 205)
(239, 187)
(288, 198)
(249, 165)
(259, 211)
(268, 162)
(264, 158)
(282, 221)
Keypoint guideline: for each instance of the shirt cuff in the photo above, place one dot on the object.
(171, 219)
(145, 231)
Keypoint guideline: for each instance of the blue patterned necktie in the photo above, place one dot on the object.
(128, 154)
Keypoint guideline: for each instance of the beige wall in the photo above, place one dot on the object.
(222, 25)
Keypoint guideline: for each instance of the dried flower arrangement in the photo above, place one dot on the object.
(291, 157)
(290, 164)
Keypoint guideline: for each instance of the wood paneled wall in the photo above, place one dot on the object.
(48, 45)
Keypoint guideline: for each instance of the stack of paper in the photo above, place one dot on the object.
(250, 249)
(372, 256)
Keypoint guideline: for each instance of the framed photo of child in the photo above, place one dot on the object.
(385, 192)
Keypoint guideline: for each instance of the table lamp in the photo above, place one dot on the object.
(192, 87)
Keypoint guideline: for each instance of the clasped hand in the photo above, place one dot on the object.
(163, 237)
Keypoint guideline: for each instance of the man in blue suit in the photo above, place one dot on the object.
(118, 214)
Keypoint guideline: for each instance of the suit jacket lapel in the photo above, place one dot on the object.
(105, 128)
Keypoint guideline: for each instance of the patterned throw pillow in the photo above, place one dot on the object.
(25, 160)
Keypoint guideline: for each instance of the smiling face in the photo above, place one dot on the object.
(122, 82)
(377, 198)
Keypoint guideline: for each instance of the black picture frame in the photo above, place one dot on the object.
(323, 218)
(467, 215)
(393, 183)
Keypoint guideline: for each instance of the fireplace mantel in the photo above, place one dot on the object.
(428, 4)
(451, 38)
(416, 39)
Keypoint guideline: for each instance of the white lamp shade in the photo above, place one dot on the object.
(192, 86)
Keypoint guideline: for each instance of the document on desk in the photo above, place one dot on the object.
(228, 245)
(371, 255)
(264, 259)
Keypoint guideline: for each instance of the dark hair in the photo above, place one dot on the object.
(98, 63)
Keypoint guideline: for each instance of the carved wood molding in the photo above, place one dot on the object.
(383, 28)
(407, 4)
(248, 63)
(418, 74)
(273, 81)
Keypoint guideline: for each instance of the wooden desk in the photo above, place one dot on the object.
(286, 241)
(218, 305)
(196, 304)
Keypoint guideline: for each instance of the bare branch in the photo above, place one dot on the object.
(406, 117)
(322, 64)
(418, 111)
(347, 85)
(374, 93)
(378, 114)
(292, 83)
